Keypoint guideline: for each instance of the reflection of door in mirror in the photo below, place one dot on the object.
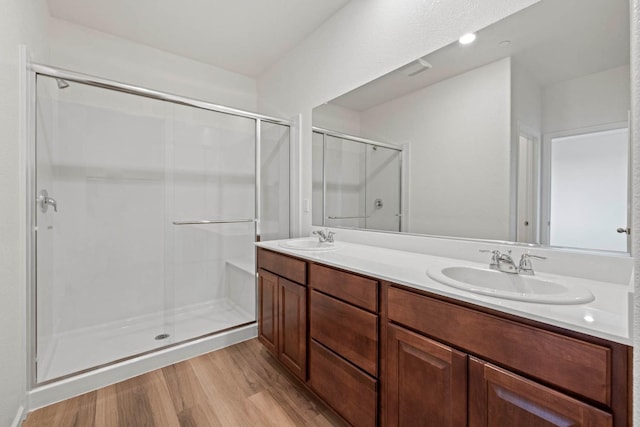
(355, 183)
(585, 189)
(528, 196)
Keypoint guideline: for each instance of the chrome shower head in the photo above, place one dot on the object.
(62, 84)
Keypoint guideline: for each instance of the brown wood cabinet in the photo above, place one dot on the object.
(348, 390)
(501, 398)
(268, 310)
(385, 354)
(343, 328)
(282, 311)
(292, 327)
(538, 378)
(426, 382)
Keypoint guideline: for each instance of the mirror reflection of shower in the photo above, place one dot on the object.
(356, 182)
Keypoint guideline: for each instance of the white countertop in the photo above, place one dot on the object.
(608, 316)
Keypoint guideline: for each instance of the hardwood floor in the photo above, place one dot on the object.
(240, 385)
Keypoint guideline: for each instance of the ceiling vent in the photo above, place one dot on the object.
(416, 67)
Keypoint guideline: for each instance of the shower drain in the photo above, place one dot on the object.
(162, 336)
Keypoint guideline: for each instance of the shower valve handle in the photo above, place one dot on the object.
(45, 201)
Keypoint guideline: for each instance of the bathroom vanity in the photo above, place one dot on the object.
(387, 345)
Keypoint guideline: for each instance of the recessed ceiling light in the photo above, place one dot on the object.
(467, 38)
(504, 43)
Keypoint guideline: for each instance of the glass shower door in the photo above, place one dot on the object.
(145, 223)
(211, 199)
(345, 171)
(100, 248)
(383, 188)
(362, 183)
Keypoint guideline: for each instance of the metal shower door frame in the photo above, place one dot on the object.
(32, 71)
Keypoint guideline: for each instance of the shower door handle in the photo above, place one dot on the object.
(45, 201)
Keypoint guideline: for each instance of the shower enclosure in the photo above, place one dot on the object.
(356, 182)
(146, 208)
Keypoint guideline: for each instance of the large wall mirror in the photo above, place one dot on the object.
(521, 135)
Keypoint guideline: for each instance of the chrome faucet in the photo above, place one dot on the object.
(501, 262)
(504, 262)
(525, 266)
(324, 236)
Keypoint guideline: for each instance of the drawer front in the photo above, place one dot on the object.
(282, 265)
(354, 289)
(349, 391)
(574, 365)
(349, 331)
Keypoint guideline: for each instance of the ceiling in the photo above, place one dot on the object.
(554, 40)
(244, 36)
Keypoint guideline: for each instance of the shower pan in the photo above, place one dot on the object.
(145, 210)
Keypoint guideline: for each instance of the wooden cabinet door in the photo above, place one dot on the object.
(427, 382)
(500, 398)
(292, 327)
(268, 310)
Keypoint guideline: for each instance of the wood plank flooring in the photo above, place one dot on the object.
(241, 385)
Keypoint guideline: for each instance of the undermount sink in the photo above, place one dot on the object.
(312, 245)
(510, 286)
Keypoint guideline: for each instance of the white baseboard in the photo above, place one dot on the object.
(102, 377)
(19, 418)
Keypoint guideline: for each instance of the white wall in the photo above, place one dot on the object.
(21, 22)
(361, 42)
(91, 52)
(462, 121)
(526, 99)
(337, 118)
(592, 100)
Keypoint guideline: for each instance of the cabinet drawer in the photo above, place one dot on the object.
(282, 265)
(349, 391)
(354, 289)
(345, 329)
(574, 365)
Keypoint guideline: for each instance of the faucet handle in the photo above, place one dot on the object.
(495, 256)
(527, 255)
(489, 251)
(324, 235)
(525, 266)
